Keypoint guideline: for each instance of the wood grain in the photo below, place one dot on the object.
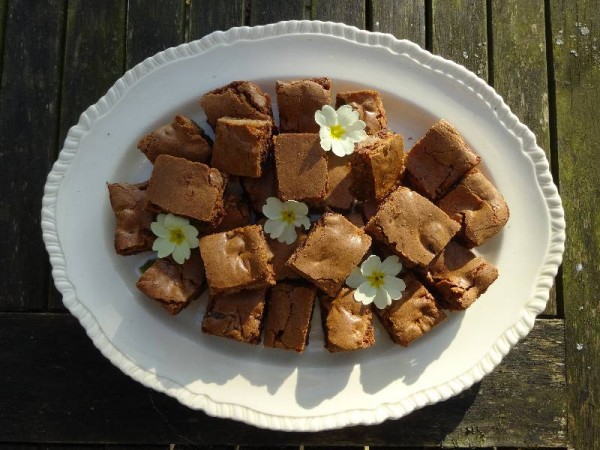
(94, 59)
(576, 50)
(519, 71)
(86, 399)
(30, 87)
(404, 19)
(152, 26)
(207, 16)
(350, 12)
(270, 11)
(459, 33)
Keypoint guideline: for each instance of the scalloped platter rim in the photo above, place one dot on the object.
(271, 388)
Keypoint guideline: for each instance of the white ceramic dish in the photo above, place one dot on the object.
(272, 388)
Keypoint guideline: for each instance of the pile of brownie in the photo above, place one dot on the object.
(428, 207)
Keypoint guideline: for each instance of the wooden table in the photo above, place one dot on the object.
(59, 56)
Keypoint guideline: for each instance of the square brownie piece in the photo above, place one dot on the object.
(236, 260)
(236, 214)
(181, 138)
(377, 166)
(241, 146)
(369, 106)
(289, 312)
(239, 99)
(458, 277)
(411, 316)
(412, 227)
(478, 206)
(347, 324)
(186, 188)
(298, 101)
(132, 228)
(173, 285)
(237, 316)
(301, 167)
(260, 189)
(439, 160)
(281, 254)
(333, 248)
(339, 179)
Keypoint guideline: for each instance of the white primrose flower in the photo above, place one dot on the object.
(376, 281)
(283, 218)
(175, 236)
(340, 129)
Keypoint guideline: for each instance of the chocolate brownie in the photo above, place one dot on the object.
(181, 138)
(369, 106)
(411, 316)
(412, 227)
(347, 324)
(186, 188)
(301, 167)
(439, 160)
(458, 277)
(289, 312)
(298, 101)
(355, 218)
(236, 260)
(173, 285)
(132, 228)
(478, 206)
(260, 189)
(281, 254)
(236, 214)
(237, 316)
(239, 99)
(377, 166)
(338, 195)
(241, 146)
(367, 209)
(333, 248)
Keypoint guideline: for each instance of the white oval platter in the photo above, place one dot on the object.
(271, 388)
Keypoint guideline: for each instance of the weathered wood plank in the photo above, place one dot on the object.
(94, 60)
(86, 399)
(270, 11)
(207, 16)
(459, 33)
(350, 12)
(404, 19)
(30, 87)
(519, 70)
(575, 29)
(152, 26)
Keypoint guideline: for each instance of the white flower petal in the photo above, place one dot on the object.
(391, 266)
(190, 232)
(355, 279)
(356, 135)
(326, 117)
(272, 209)
(161, 219)
(371, 264)
(346, 115)
(394, 286)
(173, 221)
(382, 298)
(302, 221)
(326, 140)
(163, 246)
(274, 227)
(365, 293)
(288, 235)
(159, 229)
(338, 147)
(181, 253)
(298, 208)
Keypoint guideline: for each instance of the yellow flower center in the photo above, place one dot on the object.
(176, 236)
(288, 217)
(376, 279)
(337, 131)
